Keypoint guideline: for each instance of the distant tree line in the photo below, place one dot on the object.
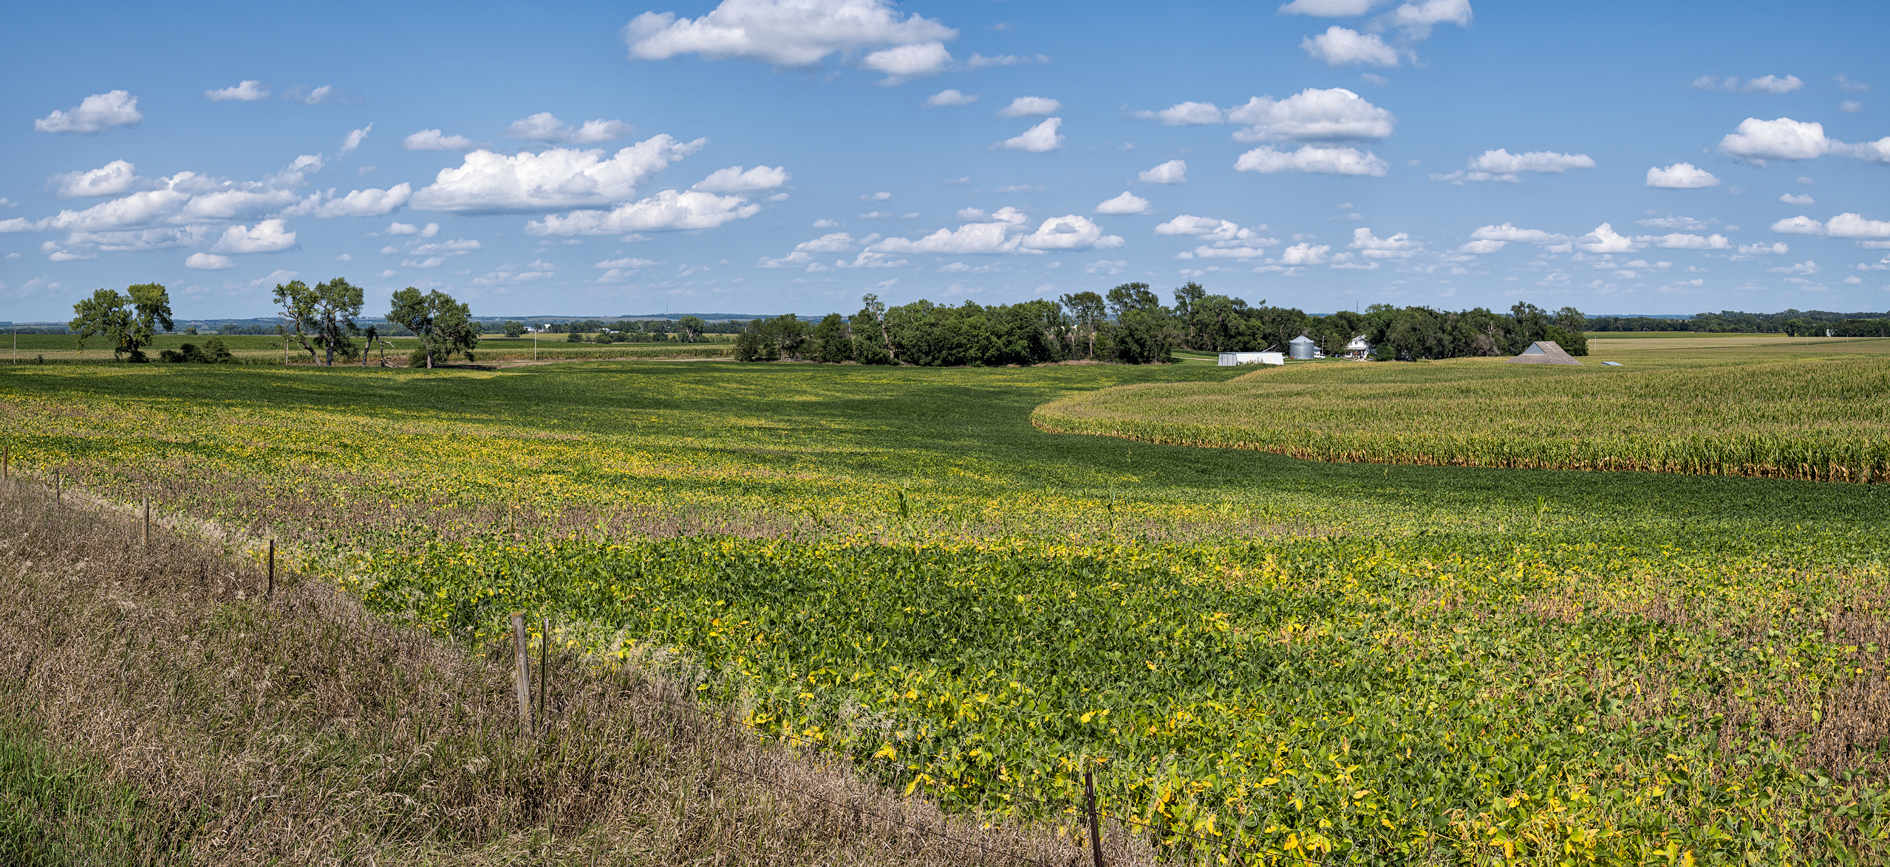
(1130, 325)
(1795, 323)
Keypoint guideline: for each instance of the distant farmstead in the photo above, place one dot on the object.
(1358, 348)
(1234, 359)
(1544, 352)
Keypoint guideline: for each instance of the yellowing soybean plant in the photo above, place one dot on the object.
(1294, 661)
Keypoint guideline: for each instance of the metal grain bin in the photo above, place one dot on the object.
(1301, 347)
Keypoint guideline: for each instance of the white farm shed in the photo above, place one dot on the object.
(1232, 359)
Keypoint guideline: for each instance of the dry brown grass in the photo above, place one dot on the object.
(303, 730)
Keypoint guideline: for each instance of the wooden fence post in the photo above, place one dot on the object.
(1095, 828)
(544, 672)
(269, 590)
(522, 654)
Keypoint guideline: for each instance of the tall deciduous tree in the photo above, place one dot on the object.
(1086, 312)
(444, 326)
(321, 316)
(130, 320)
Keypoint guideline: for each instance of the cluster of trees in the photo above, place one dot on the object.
(320, 318)
(686, 329)
(1796, 323)
(1130, 325)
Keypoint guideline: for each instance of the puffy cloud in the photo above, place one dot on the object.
(1501, 161)
(268, 236)
(1800, 225)
(1685, 223)
(1171, 172)
(1399, 246)
(1304, 253)
(1856, 226)
(1796, 199)
(803, 253)
(1604, 239)
(1850, 106)
(1783, 139)
(780, 32)
(668, 209)
(901, 62)
(1681, 241)
(1417, 19)
(1185, 114)
(1224, 238)
(354, 139)
(111, 179)
(1849, 84)
(248, 90)
(434, 140)
(1480, 247)
(365, 203)
(1005, 233)
(1778, 249)
(95, 113)
(734, 180)
(950, 96)
(429, 231)
(1871, 151)
(1339, 46)
(1127, 203)
(1329, 8)
(1332, 161)
(1030, 106)
(184, 198)
(1501, 165)
(1509, 232)
(544, 126)
(1332, 114)
(209, 261)
(1038, 139)
(138, 240)
(1681, 176)
(625, 263)
(553, 179)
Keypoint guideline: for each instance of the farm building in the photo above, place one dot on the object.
(1302, 348)
(1231, 359)
(1544, 352)
(1358, 348)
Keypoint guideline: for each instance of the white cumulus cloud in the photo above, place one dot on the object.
(1323, 160)
(268, 236)
(1681, 176)
(668, 209)
(434, 140)
(95, 113)
(111, 179)
(1038, 139)
(1501, 161)
(1030, 106)
(1399, 246)
(1171, 172)
(247, 90)
(1339, 46)
(1005, 232)
(1604, 239)
(734, 180)
(544, 126)
(365, 203)
(1796, 199)
(1682, 241)
(209, 261)
(1127, 203)
(1783, 139)
(553, 179)
(950, 96)
(1186, 114)
(354, 138)
(1800, 225)
(780, 32)
(1509, 232)
(1329, 8)
(1313, 114)
(901, 62)
(1856, 226)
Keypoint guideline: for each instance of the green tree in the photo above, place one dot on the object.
(1143, 332)
(514, 329)
(321, 316)
(1086, 312)
(830, 343)
(444, 326)
(871, 339)
(692, 328)
(130, 320)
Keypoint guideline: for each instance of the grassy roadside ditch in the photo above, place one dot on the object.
(154, 709)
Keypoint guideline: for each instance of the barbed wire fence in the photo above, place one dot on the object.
(1086, 813)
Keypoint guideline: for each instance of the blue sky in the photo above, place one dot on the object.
(790, 156)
